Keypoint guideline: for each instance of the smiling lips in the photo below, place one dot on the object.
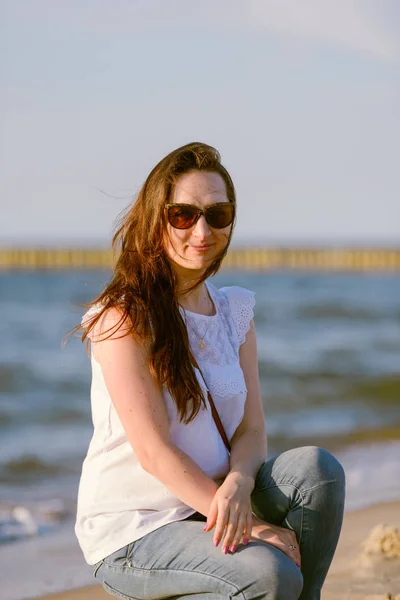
(202, 248)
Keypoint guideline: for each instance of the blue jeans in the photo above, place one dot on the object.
(302, 489)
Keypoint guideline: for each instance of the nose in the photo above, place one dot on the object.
(201, 228)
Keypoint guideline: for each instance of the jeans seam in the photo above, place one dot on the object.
(110, 590)
(277, 485)
(118, 567)
(315, 487)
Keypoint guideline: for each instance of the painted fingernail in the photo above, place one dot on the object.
(233, 548)
(225, 549)
(216, 542)
(245, 541)
(298, 565)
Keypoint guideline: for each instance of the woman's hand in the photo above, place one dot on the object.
(277, 536)
(231, 512)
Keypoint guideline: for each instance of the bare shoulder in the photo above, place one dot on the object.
(113, 321)
(113, 334)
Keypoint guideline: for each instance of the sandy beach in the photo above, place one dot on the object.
(355, 574)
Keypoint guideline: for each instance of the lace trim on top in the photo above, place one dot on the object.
(87, 317)
(242, 303)
(227, 381)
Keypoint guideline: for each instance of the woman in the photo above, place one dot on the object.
(166, 344)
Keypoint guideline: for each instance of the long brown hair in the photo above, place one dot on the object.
(143, 284)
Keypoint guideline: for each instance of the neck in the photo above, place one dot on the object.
(184, 279)
(197, 300)
(194, 296)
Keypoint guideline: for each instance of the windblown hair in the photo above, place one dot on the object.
(144, 285)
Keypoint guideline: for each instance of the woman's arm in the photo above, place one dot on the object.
(248, 453)
(143, 414)
(249, 442)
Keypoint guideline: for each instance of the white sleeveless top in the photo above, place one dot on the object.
(118, 501)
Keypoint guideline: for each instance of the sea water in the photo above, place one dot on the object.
(329, 361)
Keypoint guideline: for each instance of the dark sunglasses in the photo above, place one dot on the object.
(183, 216)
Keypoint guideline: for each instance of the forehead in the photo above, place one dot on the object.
(199, 187)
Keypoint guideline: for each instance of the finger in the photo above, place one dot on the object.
(295, 555)
(222, 520)
(293, 552)
(230, 531)
(212, 516)
(286, 550)
(291, 542)
(248, 528)
(292, 536)
(291, 547)
(298, 558)
(241, 525)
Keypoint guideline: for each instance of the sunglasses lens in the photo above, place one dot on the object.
(182, 217)
(220, 216)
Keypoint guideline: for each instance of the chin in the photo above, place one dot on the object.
(197, 263)
(194, 262)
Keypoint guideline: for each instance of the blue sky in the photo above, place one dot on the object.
(302, 99)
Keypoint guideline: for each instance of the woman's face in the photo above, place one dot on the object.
(197, 247)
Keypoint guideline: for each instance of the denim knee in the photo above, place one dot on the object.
(321, 466)
(273, 575)
(288, 583)
(331, 466)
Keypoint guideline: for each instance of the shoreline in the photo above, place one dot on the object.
(352, 576)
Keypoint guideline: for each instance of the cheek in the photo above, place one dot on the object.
(223, 236)
(175, 239)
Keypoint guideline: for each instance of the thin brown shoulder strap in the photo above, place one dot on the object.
(214, 412)
(218, 422)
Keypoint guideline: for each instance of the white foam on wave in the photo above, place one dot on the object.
(18, 521)
(372, 473)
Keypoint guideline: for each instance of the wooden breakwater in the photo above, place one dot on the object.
(254, 259)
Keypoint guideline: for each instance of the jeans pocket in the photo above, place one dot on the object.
(124, 557)
(119, 558)
(96, 567)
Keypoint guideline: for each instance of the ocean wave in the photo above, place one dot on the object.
(384, 390)
(16, 377)
(20, 378)
(5, 418)
(30, 467)
(281, 438)
(18, 521)
(270, 369)
(351, 385)
(388, 345)
(64, 415)
(339, 311)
